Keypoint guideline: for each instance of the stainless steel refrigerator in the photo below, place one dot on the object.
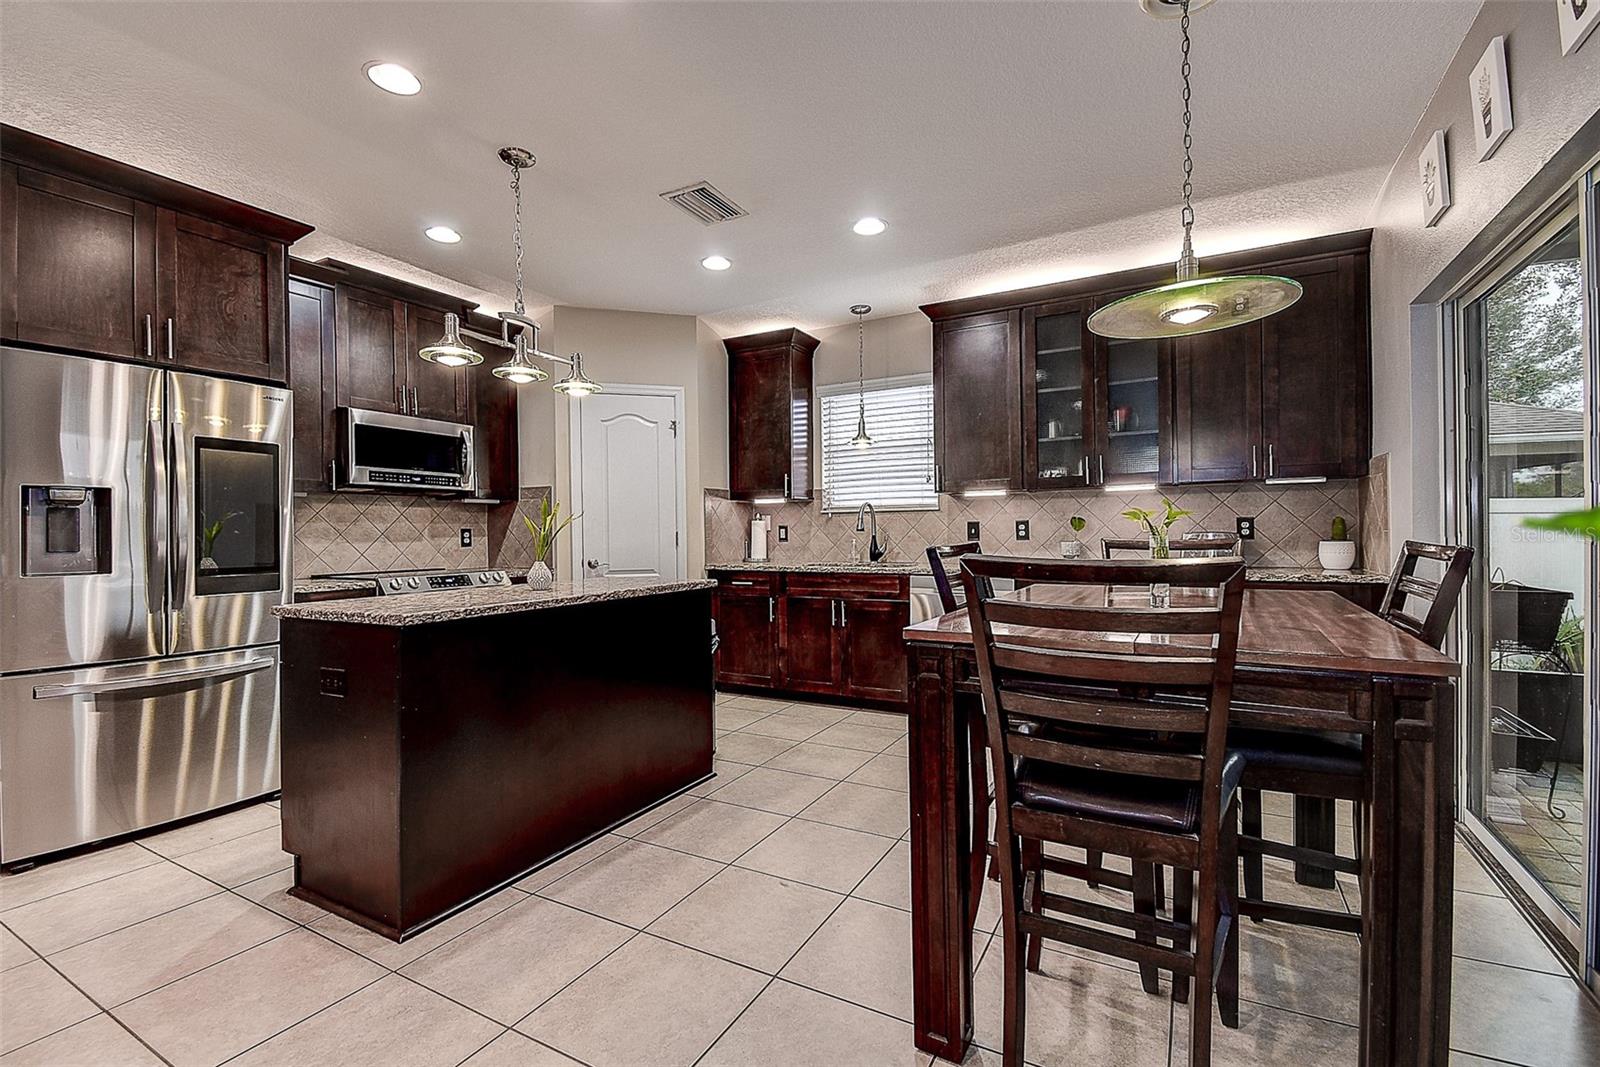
(144, 540)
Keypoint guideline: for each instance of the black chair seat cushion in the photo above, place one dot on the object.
(1303, 752)
(1130, 799)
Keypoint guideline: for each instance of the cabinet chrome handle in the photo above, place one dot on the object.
(786, 487)
(739, 582)
(772, 608)
(171, 340)
(413, 400)
(843, 621)
(1252, 461)
(1101, 460)
(833, 613)
(1272, 462)
(149, 338)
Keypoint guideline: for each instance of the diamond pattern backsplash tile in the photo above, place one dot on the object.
(340, 532)
(1290, 520)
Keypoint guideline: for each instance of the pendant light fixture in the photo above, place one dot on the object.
(1192, 304)
(576, 383)
(520, 370)
(451, 350)
(862, 439)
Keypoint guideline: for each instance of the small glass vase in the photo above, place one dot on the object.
(539, 576)
(1160, 548)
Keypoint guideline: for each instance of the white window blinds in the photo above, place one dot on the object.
(897, 471)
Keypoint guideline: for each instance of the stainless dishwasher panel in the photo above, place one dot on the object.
(92, 753)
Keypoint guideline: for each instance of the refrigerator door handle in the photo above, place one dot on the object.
(148, 681)
(181, 522)
(155, 516)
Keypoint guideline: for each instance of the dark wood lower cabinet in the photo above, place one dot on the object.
(836, 635)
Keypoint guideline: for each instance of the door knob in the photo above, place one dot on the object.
(595, 564)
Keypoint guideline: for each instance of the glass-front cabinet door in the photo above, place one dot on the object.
(1131, 412)
(1057, 396)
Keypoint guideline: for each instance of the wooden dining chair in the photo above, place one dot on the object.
(1100, 739)
(1329, 766)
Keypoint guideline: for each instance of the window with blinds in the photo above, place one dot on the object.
(896, 473)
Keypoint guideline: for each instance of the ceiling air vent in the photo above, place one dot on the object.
(705, 203)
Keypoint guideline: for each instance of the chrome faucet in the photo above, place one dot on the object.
(875, 551)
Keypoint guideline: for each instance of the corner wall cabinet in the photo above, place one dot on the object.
(105, 259)
(833, 635)
(769, 415)
(1026, 397)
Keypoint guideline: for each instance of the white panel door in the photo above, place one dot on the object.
(629, 466)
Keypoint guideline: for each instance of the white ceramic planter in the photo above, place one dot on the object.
(1072, 549)
(539, 576)
(1336, 555)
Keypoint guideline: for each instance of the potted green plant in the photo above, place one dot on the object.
(545, 531)
(1160, 532)
(1338, 552)
(209, 532)
(1073, 548)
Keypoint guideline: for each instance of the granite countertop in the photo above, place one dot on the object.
(309, 586)
(840, 567)
(417, 609)
(1315, 574)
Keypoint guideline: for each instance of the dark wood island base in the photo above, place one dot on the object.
(430, 758)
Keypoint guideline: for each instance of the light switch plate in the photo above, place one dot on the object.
(1022, 529)
(466, 537)
(783, 534)
(972, 530)
(1246, 526)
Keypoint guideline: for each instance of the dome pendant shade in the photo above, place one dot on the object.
(576, 383)
(862, 439)
(450, 350)
(520, 370)
(1195, 305)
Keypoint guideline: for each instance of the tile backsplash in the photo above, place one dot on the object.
(1290, 520)
(339, 532)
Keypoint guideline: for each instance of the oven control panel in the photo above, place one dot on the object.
(422, 583)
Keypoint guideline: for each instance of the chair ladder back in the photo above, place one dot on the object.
(1441, 596)
(937, 554)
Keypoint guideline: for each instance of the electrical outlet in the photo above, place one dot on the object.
(1246, 527)
(972, 530)
(783, 534)
(330, 681)
(1022, 529)
(466, 537)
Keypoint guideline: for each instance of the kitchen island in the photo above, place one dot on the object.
(439, 745)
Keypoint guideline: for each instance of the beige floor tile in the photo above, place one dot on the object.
(70, 918)
(767, 704)
(272, 892)
(825, 761)
(732, 717)
(12, 951)
(890, 881)
(556, 869)
(506, 966)
(511, 1049)
(221, 1011)
(1467, 1059)
(60, 876)
(1078, 1012)
(783, 792)
(854, 735)
(212, 831)
(1524, 1017)
(1269, 1035)
(1314, 972)
(1491, 930)
(800, 1027)
(136, 959)
(786, 727)
(901, 747)
(725, 772)
(750, 918)
(395, 955)
(37, 1002)
(829, 857)
(634, 884)
(1471, 877)
(241, 860)
(862, 807)
(714, 830)
(676, 1002)
(96, 1042)
(640, 823)
(752, 749)
(886, 772)
(863, 954)
(883, 720)
(392, 1021)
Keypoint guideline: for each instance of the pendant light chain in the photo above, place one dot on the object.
(1187, 215)
(516, 231)
(861, 361)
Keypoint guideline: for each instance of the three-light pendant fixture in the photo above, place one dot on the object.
(452, 351)
(1192, 304)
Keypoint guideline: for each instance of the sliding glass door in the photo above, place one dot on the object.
(1526, 431)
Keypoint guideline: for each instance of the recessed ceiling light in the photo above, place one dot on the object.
(393, 78)
(716, 263)
(870, 226)
(443, 234)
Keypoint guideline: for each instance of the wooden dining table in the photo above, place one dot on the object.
(1308, 660)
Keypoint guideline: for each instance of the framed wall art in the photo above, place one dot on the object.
(1491, 98)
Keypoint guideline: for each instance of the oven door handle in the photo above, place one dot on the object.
(149, 681)
(468, 479)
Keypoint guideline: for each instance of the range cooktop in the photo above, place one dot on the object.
(424, 579)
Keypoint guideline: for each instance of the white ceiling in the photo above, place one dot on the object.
(1007, 144)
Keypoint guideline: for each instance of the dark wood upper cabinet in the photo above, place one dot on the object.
(769, 415)
(1058, 390)
(311, 376)
(437, 391)
(977, 402)
(1216, 406)
(220, 297)
(106, 259)
(370, 346)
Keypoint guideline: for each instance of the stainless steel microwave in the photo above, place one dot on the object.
(382, 450)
